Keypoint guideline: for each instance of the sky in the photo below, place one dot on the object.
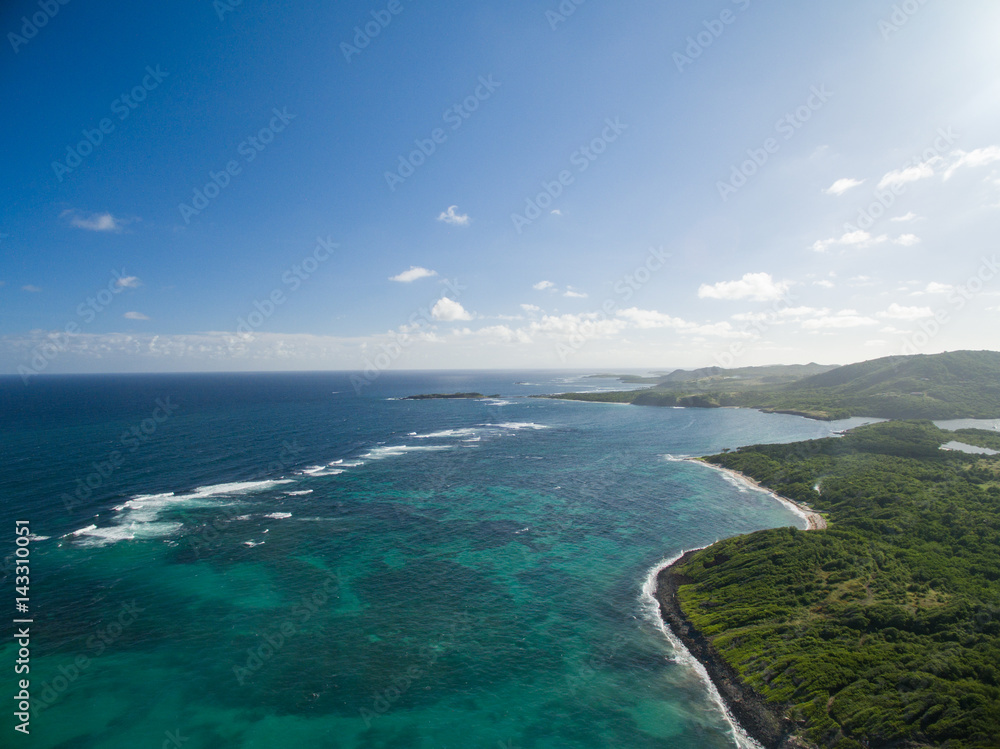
(244, 186)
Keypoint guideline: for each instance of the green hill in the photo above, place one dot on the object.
(953, 385)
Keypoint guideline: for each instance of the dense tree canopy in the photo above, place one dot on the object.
(883, 630)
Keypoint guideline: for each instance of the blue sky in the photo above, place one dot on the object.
(653, 184)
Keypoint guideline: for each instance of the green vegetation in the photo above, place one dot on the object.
(960, 384)
(885, 629)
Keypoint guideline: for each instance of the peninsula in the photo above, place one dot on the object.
(882, 630)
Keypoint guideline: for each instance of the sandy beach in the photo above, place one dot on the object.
(814, 521)
(763, 722)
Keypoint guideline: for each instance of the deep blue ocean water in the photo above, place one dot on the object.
(275, 560)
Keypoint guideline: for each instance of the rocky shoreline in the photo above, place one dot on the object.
(764, 721)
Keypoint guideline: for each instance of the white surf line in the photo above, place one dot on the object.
(813, 520)
(651, 608)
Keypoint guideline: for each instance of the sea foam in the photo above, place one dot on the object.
(651, 609)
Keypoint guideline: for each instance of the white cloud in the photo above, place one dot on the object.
(908, 217)
(448, 310)
(843, 319)
(543, 285)
(979, 157)
(452, 217)
(33, 289)
(134, 316)
(863, 281)
(94, 221)
(900, 177)
(758, 287)
(647, 319)
(907, 240)
(843, 185)
(781, 316)
(556, 212)
(938, 288)
(803, 311)
(128, 282)
(414, 273)
(860, 239)
(898, 312)
(824, 284)
(501, 334)
(573, 294)
(531, 308)
(720, 329)
(586, 325)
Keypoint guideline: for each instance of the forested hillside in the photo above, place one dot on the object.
(960, 384)
(884, 630)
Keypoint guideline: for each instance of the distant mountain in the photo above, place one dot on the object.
(770, 375)
(952, 385)
(958, 384)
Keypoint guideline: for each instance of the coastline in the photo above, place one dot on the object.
(814, 521)
(764, 723)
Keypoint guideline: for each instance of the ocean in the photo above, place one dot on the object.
(276, 560)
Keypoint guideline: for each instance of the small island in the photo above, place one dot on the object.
(448, 396)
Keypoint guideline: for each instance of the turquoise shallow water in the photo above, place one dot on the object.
(283, 562)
